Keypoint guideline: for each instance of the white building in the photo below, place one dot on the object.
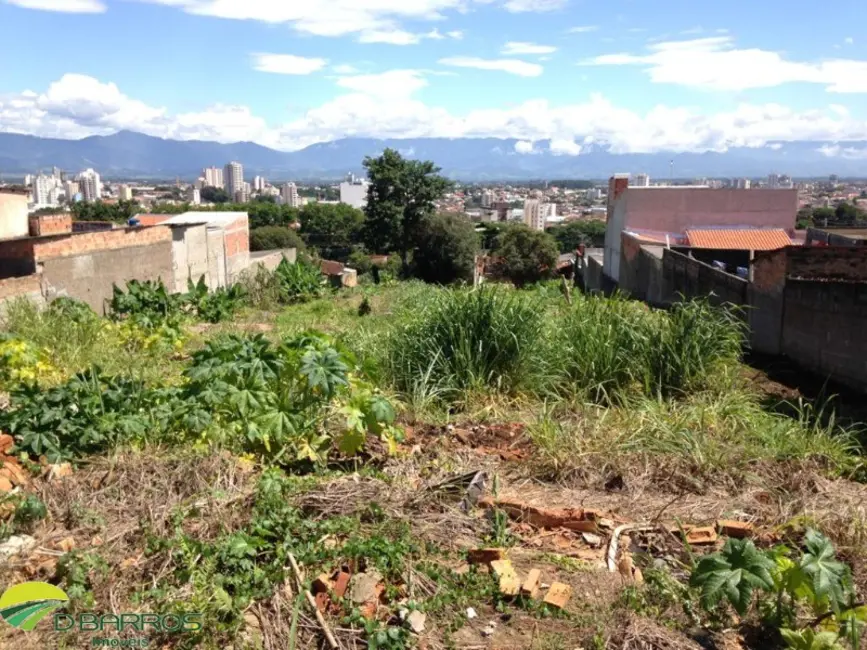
(90, 185)
(641, 180)
(594, 193)
(42, 186)
(213, 177)
(741, 183)
(70, 188)
(259, 183)
(194, 195)
(28, 180)
(233, 177)
(353, 191)
(290, 195)
(549, 211)
(534, 218)
(487, 198)
(125, 193)
(779, 182)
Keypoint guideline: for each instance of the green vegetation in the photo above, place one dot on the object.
(525, 256)
(447, 248)
(266, 238)
(119, 212)
(576, 233)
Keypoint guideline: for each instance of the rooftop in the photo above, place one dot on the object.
(756, 239)
(213, 219)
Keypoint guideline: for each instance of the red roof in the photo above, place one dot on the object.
(747, 239)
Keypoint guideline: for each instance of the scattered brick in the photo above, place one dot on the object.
(732, 528)
(341, 583)
(510, 583)
(701, 535)
(570, 518)
(531, 584)
(558, 595)
(6, 442)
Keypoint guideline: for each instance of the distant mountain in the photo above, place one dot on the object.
(133, 155)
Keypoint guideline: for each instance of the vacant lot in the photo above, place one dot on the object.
(622, 457)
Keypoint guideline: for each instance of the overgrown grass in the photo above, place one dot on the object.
(469, 339)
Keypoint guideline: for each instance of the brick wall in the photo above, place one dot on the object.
(695, 279)
(93, 226)
(765, 298)
(823, 329)
(100, 241)
(16, 257)
(29, 287)
(50, 224)
(847, 263)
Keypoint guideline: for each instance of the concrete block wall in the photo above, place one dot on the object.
(28, 286)
(694, 279)
(99, 241)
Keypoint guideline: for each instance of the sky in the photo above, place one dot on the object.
(639, 75)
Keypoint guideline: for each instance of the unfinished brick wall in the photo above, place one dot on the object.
(29, 287)
(100, 241)
(16, 258)
(846, 263)
(694, 279)
(50, 224)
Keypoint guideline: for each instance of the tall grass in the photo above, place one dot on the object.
(614, 348)
(461, 340)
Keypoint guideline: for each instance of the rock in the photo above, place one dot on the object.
(489, 629)
(6, 442)
(593, 540)
(416, 620)
(60, 470)
(5, 484)
(66, 544)
(363, 587)
(471, 613)
(733, 528)
(558, 595)
(485, 555)
(16, 545)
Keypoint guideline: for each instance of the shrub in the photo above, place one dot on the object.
(213, 306)
(267, 238)
(485, 338)
(148, 302)
(446, 252)
(72, 309)
(299, 282)
(525, 256)
(360, 261)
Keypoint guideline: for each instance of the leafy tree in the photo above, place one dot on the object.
(400, 196)
(846, 213)
(570, 235)
(490, 231)
(214, 195)
(525, 256)
(360, 261)
(170, 208)
(268, 238)
(265, 198)
(41, 212)
(804, 218)
(331, 228)
(821, 215)
(447, 248)
(119, 212)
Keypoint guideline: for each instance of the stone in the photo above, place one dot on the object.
(558, 595)
(363, 587)
(16, 545)
(471, 613)
(593, 540)
(416, 621)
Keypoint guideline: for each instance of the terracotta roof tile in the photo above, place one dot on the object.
(756, 239)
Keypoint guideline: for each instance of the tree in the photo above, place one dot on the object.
(269, 238)
(525, 256)
(446, 249)
(823, 215)
(846, 213)
(119, 212)
(400, 196)
(214, 194)
(570, 235)
(265, 198)
(331, 228)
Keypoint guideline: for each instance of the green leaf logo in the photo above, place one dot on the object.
(24, 605)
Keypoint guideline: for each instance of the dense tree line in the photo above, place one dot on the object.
(575, 233)
(844, 214)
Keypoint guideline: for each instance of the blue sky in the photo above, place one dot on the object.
(638, 74)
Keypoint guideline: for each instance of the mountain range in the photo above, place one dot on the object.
(130, 155)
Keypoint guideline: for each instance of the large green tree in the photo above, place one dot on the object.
(269, 238)
(400, 196)
(525, 256)
(447, 248)
(119, 212)
(214, 194)
(331, 228)
(570, 235)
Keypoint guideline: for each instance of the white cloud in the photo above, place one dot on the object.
(287, 63)
(63, 6)
(520, 47)
(566, 147)
(344, 68)
(512, 66)
(391, 36)
(524, 147)
(455, 34)
(692, 31)
(849, 40)
(387, 105)
(836, 151)
(715, 63)
(521, 6)
(583, 29)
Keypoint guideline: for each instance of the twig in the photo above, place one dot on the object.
(319, 618)
(831, 613)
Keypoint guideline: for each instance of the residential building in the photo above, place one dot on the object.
(741, 183)
(594, 194)
(70, 188)
(125, 193)
(28, 180)
(233, 177)
(13, 213)
(487, 198)
(779, 182)
(353, 191)
(290, 195)
(534, 218)
(90, 185)
(259, 183)
(42, 186)
(194, 195)
(641, 180)
(213, 177)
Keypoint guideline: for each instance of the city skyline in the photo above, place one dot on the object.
(685, 78)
